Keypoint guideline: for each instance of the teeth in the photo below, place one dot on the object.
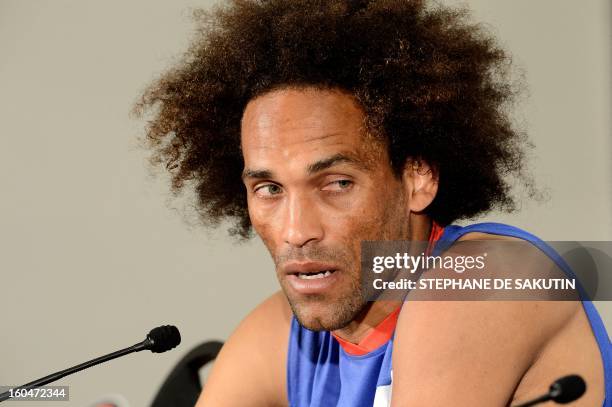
(321, 274)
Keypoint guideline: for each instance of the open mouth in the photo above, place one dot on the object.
(314, 276)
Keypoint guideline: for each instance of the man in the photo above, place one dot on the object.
(324, 124)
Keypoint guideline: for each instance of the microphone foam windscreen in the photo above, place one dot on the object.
(164, 338)
(568, 389)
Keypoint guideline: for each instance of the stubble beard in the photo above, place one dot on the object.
(330, 311)
(322, 312)
(318, 313)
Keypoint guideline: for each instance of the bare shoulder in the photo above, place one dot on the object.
(478, 352)
(250, 369)
(274, 313)
(454, 345)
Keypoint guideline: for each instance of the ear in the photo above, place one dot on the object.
(420, 183)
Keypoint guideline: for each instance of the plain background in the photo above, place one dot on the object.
(93, 253)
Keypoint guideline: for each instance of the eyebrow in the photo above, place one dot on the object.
(258, 174)
(335, 159)
(313, 168)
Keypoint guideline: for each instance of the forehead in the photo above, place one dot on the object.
(288, 121)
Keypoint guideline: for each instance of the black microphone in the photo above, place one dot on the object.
(563, 391)
(160, 339)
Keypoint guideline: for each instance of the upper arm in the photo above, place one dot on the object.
(469, 352)
(250, 368)
(465, 353)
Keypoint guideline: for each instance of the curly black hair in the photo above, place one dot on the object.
(433, 86)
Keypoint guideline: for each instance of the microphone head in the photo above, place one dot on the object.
(567, 389)
(163, 338)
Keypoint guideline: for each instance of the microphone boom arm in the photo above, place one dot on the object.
(160, 339)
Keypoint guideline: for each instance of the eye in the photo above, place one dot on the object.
(339, 185)
(267, 190)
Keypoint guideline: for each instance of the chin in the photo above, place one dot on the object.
(325, 315)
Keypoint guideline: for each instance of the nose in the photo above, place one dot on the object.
(302, 221)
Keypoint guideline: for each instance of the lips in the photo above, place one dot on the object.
(307, 267)
(311, 277)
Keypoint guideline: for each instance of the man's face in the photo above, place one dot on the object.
(317, 186)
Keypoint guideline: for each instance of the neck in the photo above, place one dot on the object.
(375, 312)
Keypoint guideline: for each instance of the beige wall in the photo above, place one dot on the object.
(91, 255)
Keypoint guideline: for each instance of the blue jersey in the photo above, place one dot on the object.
(321, 373)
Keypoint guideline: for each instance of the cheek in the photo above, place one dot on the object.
(377, 219)
(266, 233)
(257, 213)
(260, 223)
(361, 223)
